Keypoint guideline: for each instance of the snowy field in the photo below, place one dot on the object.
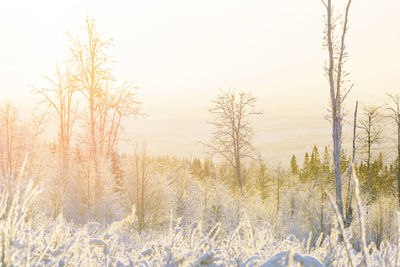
(58, 243)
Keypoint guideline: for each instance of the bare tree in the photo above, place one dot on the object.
(334, 40)
(59, 98)
(371, 134)
(115, 104)
(232, 132)
(107, 104)
(144, 189)
(349, 210)
(141, 178)
(92, 73)
(394, 114)
(10, 149)
(278, 190)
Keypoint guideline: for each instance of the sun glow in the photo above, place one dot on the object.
(199, 133)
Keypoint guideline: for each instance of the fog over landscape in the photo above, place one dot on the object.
(200, 133)
(273, 50)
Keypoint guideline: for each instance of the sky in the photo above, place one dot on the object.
(180, 52)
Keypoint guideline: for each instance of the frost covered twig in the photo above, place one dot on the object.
(342, 230)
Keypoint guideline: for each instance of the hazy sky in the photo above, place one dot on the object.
(181, 52)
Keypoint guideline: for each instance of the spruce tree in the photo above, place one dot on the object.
(293, 165)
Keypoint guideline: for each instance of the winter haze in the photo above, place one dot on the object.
(273, 48)
(199, 133)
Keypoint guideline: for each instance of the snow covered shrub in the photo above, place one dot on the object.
(58, 243)
(80, 203)
(153, 190)
(314, 211)
(203, 223)
(381, 223)
(221, 206)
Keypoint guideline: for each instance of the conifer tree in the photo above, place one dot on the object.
(293, 165)
(305, 172)
(326, 164)
(315, 162)
(344, 162)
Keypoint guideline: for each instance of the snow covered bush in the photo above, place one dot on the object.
(207, 225)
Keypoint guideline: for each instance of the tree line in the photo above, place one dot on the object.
(90, 106)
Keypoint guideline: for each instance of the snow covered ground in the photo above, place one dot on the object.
(59, 243)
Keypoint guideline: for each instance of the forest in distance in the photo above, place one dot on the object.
(73, 194)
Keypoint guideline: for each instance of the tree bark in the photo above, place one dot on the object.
(336, 96)
(349, 209)
(398, 156)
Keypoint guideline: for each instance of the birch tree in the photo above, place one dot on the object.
(232, 131)
(115, 104)
(349, 209)
(10, 147)
(334, 41)
(92, 73)
(371, 135)
(107, 103)
(141, 178)
(59, 98)
(394, 114)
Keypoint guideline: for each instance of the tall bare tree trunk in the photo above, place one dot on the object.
(394, 114)
(336, 120)
(334, 72)
(278, 190)
(369, 156)
(140, 165)
(143, 178)
(337, 171)
(349, 209)
(97, 185)
(398, 156)
(239, 175)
